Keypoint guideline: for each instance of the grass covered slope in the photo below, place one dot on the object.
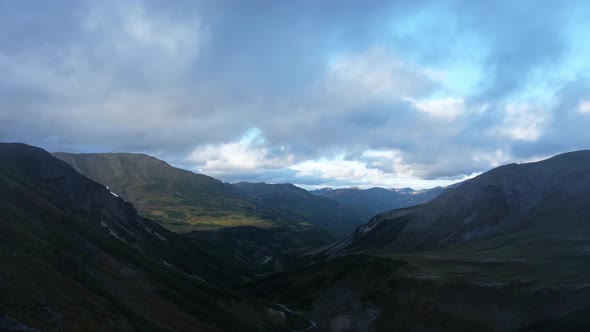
(76, 258)
(180, 199)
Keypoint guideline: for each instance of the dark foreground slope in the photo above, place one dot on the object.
(74, 257)
(506, 251)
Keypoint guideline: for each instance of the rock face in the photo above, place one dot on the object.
(510, 198)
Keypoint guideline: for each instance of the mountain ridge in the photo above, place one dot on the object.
(497, 201)
(376, 200)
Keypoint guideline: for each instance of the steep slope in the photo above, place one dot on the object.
(295, 203)
(76, 258)
(550, 194)
(377, 200)
(506, 251)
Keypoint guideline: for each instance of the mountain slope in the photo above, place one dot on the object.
(180, 199)
(546, 195)
(506, 251)
(76, 258)
(203, 207)
(295, 203)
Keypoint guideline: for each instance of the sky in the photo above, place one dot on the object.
(316, 93)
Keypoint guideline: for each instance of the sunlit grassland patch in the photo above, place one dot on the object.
(182, 221)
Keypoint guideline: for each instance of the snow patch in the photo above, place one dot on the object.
(112, 193)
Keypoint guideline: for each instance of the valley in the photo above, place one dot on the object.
(504, 251)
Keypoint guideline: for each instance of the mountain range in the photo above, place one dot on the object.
(375, 200)
(266, 223)
(505, 251)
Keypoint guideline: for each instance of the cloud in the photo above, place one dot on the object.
(524, 122)
(339, 93)
(251, 153)
(340, 172)
(584, 107)
(445, 108)
(376, 74)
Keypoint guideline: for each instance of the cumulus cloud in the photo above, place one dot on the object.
(376, 74)
(445, 108)
(584, 107)
(524, 122)
(251, 153)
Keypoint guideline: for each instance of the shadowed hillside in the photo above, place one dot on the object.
(76, 258)
(505, 251)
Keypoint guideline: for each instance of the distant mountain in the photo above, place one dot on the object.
(406, 190)
(76, 258)
(377, 200)
(321, 191)
(295, 203)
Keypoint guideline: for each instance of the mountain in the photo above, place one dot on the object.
(321, 191)
(406, 190)
(377, 200)
(181, 200)
(263, 232)
(295, 203)
(549, 196)
(505, 251)
(76, 258)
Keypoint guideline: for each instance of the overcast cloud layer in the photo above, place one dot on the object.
(338, 93)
